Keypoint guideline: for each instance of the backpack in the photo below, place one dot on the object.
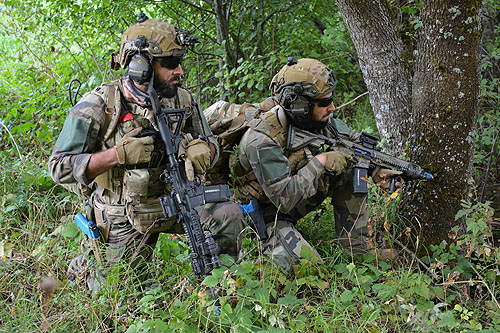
(228, 122)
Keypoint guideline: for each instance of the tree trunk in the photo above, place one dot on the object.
(444, 99)
(445, 105)
(222, 12)
(384, 66)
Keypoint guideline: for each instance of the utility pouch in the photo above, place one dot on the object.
(144, 212)
(110, 180)
(135, 184)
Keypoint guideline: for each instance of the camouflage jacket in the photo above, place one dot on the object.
(266, 170)
(82, 133)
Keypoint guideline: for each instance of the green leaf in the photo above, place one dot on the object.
(341, 268)
(262, 295)
(26, 127)
(460, 214)
(10, 208)
(346, 296)
(226, 260)
(290, 300)
(306, 252)
(447, 320)
(422, 290)
(70, 230)
(210, 281)
(301, 281)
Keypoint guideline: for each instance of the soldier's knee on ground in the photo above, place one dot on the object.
(226, 222)
(83, 269)
(285, 244)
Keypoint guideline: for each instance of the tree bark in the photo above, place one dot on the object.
(445, 106)
(222, 15)
(441, 99)
(384, 65)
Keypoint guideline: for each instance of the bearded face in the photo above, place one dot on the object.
(166, 88)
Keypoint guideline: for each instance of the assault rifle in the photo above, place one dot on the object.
(366, 155)
(186, 195)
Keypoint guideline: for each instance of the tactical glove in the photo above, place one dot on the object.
(198, 153)
(336, 161)
(131, 150)
(383, 177)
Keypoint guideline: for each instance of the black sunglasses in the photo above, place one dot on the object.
(323, 102)
(170, 62)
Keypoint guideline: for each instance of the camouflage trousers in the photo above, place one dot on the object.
(285, 243)
(131, 250)
(125, 246)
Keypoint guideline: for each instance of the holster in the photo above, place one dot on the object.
(102, 223)
(253, 211)
(91, 214)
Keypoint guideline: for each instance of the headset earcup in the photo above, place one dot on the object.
(139, 68)
(300, 107)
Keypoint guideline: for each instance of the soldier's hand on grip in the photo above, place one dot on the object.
(336, 161)
(198, 153)
(382, 177)
(132, 150)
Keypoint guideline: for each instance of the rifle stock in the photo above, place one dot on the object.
(366, 155)
(186, 195)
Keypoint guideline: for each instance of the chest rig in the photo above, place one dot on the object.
(136, 188)
(122, 117)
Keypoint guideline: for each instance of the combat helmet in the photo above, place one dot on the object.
(298, 84)
(154, 38)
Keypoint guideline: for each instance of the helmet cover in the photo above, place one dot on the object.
(155, 37)
(317, 79)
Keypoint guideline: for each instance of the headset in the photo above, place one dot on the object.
(294, 98)
(140, 67)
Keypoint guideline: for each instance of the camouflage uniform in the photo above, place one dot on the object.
(129, 221)
(288, 185)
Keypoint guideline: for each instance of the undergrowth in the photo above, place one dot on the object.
(454, 288)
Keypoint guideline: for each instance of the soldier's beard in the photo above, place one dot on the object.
(164, 89)
(317, 125)
(308, 124)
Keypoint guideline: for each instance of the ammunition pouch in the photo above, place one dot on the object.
(144, 212)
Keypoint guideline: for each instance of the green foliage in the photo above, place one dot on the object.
(47, 44)
(487, 142)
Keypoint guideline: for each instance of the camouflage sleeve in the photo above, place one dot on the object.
(77, 141)
(198, 125)
(272, 171)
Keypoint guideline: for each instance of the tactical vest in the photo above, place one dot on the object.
(139, 186)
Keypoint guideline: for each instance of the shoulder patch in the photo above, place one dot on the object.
(73, 135)
(273, 163)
